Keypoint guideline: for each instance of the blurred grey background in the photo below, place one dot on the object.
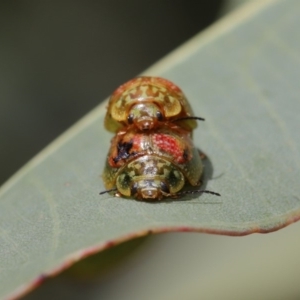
(59, 59)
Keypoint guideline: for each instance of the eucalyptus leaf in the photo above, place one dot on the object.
(242, 76)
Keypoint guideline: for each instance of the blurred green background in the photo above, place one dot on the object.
(59, 59)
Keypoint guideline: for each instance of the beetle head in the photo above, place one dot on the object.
(145, 116)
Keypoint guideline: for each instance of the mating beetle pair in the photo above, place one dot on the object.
(152, 155)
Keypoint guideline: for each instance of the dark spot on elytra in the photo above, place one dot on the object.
(185, 154)
(123, 151)
(172, 178)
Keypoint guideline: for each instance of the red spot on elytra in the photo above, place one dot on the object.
(169, 145)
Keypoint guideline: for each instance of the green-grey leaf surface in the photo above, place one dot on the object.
(241, 75)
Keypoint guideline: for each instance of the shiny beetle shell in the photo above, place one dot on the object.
(152, 165)
(146, 103)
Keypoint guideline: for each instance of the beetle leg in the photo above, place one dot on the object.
(202, 155)
(200, 182)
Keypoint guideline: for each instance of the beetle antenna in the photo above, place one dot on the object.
(189, 118)
(199, 191)
(107, 191)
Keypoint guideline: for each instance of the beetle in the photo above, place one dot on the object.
(147, 103)
(153, 165)
(152, 155)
